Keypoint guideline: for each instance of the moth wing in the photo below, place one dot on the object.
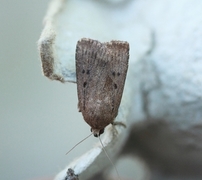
(101, 71)
(117, 70)
(86, 52)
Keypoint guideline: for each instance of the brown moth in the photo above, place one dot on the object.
(101, 70)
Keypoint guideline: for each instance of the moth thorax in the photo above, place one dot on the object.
(97, 132)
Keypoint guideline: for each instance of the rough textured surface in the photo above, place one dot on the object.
(162, 98)
(71, 175)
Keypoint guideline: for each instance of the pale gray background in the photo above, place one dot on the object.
(39, 120)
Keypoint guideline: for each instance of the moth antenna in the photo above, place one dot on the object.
(109, 159)
(78, 143)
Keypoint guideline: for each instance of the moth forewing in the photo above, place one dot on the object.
(85, 55)
(118, 67)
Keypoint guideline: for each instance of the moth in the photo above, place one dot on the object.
(101, 70)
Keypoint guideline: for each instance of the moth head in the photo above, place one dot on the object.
(97, 132)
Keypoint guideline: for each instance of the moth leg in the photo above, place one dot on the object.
(119, 123)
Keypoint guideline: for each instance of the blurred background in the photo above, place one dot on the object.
(39, 120)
